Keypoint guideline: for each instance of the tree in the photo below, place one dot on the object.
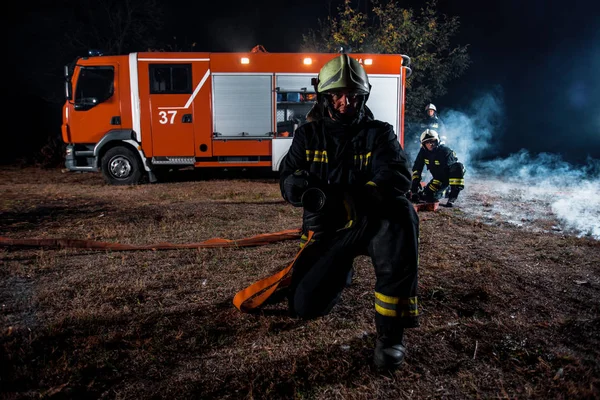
(424, 35)
(59, 31)
(53, 34)
(115, 26)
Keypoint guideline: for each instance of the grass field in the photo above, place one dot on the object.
(507, 311)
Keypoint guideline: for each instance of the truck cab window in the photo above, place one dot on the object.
(170, 79)
(94, 86)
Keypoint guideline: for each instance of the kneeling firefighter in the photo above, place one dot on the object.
(352, 177)
(445, 170)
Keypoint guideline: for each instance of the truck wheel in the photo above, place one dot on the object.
(121, 166)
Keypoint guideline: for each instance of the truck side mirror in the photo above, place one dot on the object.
(68, 91)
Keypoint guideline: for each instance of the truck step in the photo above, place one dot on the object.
(173, 160)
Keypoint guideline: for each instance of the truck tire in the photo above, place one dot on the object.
(121, 166)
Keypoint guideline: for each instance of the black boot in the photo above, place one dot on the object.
(389, 349)
(452, 196)
(450, 202)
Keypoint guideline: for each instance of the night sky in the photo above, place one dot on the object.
(544, 56)
(540, 57)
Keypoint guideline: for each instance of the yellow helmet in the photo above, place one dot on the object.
(343, 72)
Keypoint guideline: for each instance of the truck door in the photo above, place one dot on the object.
(95, 109)
(172, 108)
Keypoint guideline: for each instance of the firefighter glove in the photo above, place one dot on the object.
(294, 187)
(415, 197)
(415, 187)
(318, 222)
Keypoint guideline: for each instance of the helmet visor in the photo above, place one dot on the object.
(349, 97)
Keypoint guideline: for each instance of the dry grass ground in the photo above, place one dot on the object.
(507, 312)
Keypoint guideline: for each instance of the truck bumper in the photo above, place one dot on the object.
(79, 160)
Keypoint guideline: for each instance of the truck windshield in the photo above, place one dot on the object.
(94, 85)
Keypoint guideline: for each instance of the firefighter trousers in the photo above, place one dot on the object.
(320, 271)
(436, 188)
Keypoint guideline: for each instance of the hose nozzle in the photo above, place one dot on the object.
(313, 199)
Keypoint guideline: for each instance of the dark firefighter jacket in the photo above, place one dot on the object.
(438, 162)
(349, 160)
(434, 123)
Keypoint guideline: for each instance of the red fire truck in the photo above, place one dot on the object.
(131, 115)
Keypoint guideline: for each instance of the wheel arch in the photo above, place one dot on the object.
(119, 137)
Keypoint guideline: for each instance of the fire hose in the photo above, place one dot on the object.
(246, 299)
(257, 240)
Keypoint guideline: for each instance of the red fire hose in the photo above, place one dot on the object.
(257, 240)
(245, 300)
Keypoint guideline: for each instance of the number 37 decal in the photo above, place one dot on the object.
(167, 117)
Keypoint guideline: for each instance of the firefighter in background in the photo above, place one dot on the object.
(351, 176)
(433, 121)
(445, 170)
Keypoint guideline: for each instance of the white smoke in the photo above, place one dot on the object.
(579, 211)
(541, 191)
(469, 133)
(570, 194)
